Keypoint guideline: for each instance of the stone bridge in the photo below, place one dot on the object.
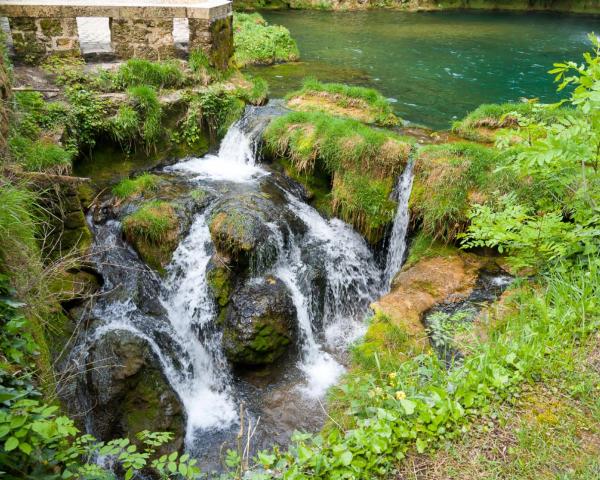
(141, 29)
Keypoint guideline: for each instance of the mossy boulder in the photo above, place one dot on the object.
(129, 392)
(260, 323)
(239, 227)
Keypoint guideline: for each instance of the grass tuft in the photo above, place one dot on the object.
(154, 222)
(136, 72)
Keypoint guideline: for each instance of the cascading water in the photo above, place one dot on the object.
(397, 246)
(328, 269)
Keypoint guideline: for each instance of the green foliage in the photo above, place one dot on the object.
(255, 42)
(136, 72)
(124, 126)
(86, 120)
(39, 155)
(154, 222)
(214, 109)
(368, 100)
(142, 184)
(257, 94)
(561, 220)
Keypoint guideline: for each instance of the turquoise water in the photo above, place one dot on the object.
(435, 67)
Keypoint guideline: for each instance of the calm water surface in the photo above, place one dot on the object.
(435, 67)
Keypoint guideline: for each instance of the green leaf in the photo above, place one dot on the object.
(25, 448)
(408, 406)
(11, 444)
(346, 458)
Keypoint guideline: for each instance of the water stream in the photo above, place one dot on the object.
(329, 270)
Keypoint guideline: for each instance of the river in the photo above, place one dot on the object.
(435, 67)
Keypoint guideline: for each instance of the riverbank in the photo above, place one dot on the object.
(558, 6)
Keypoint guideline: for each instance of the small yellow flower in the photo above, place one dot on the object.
(400, 395)
(392, 375)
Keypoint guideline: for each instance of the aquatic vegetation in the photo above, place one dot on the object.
(256, 42)
(362, 162)
(155, 222)
(142, 184)
(146, 102)
(363, 104)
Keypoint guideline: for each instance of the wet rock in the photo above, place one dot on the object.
(260, 322)
(129, 391)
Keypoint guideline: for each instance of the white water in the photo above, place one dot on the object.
(235, 161)
(397, 247)
(205, 390)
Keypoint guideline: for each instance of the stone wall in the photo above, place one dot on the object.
(34, 38)
(151, 39)
(214, 37)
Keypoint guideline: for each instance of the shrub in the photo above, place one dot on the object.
(146, 182)
(256, 42)
(137, 72)
(363, 104)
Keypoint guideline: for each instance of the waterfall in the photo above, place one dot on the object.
(328, 268)
(397, 246)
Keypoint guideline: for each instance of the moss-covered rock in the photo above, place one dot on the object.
(153, 230)
(260, 323)
(129, 392)
(240, 231)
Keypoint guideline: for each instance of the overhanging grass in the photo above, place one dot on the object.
(40, 155)
(142, 184)
(363, 104)
(449, 178)
(363, 163)
(17, 223)
(256, 42)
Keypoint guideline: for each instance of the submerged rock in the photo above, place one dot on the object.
(260, 322)
(129, 391)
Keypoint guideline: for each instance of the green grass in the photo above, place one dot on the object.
(40, 155)
(363, 163)
(256, 42)
(154, 222)
(140, 185)
(18, 223)
(145, 101)
(368, 101)
(136, 72)
(258, 92)
(449, 178)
